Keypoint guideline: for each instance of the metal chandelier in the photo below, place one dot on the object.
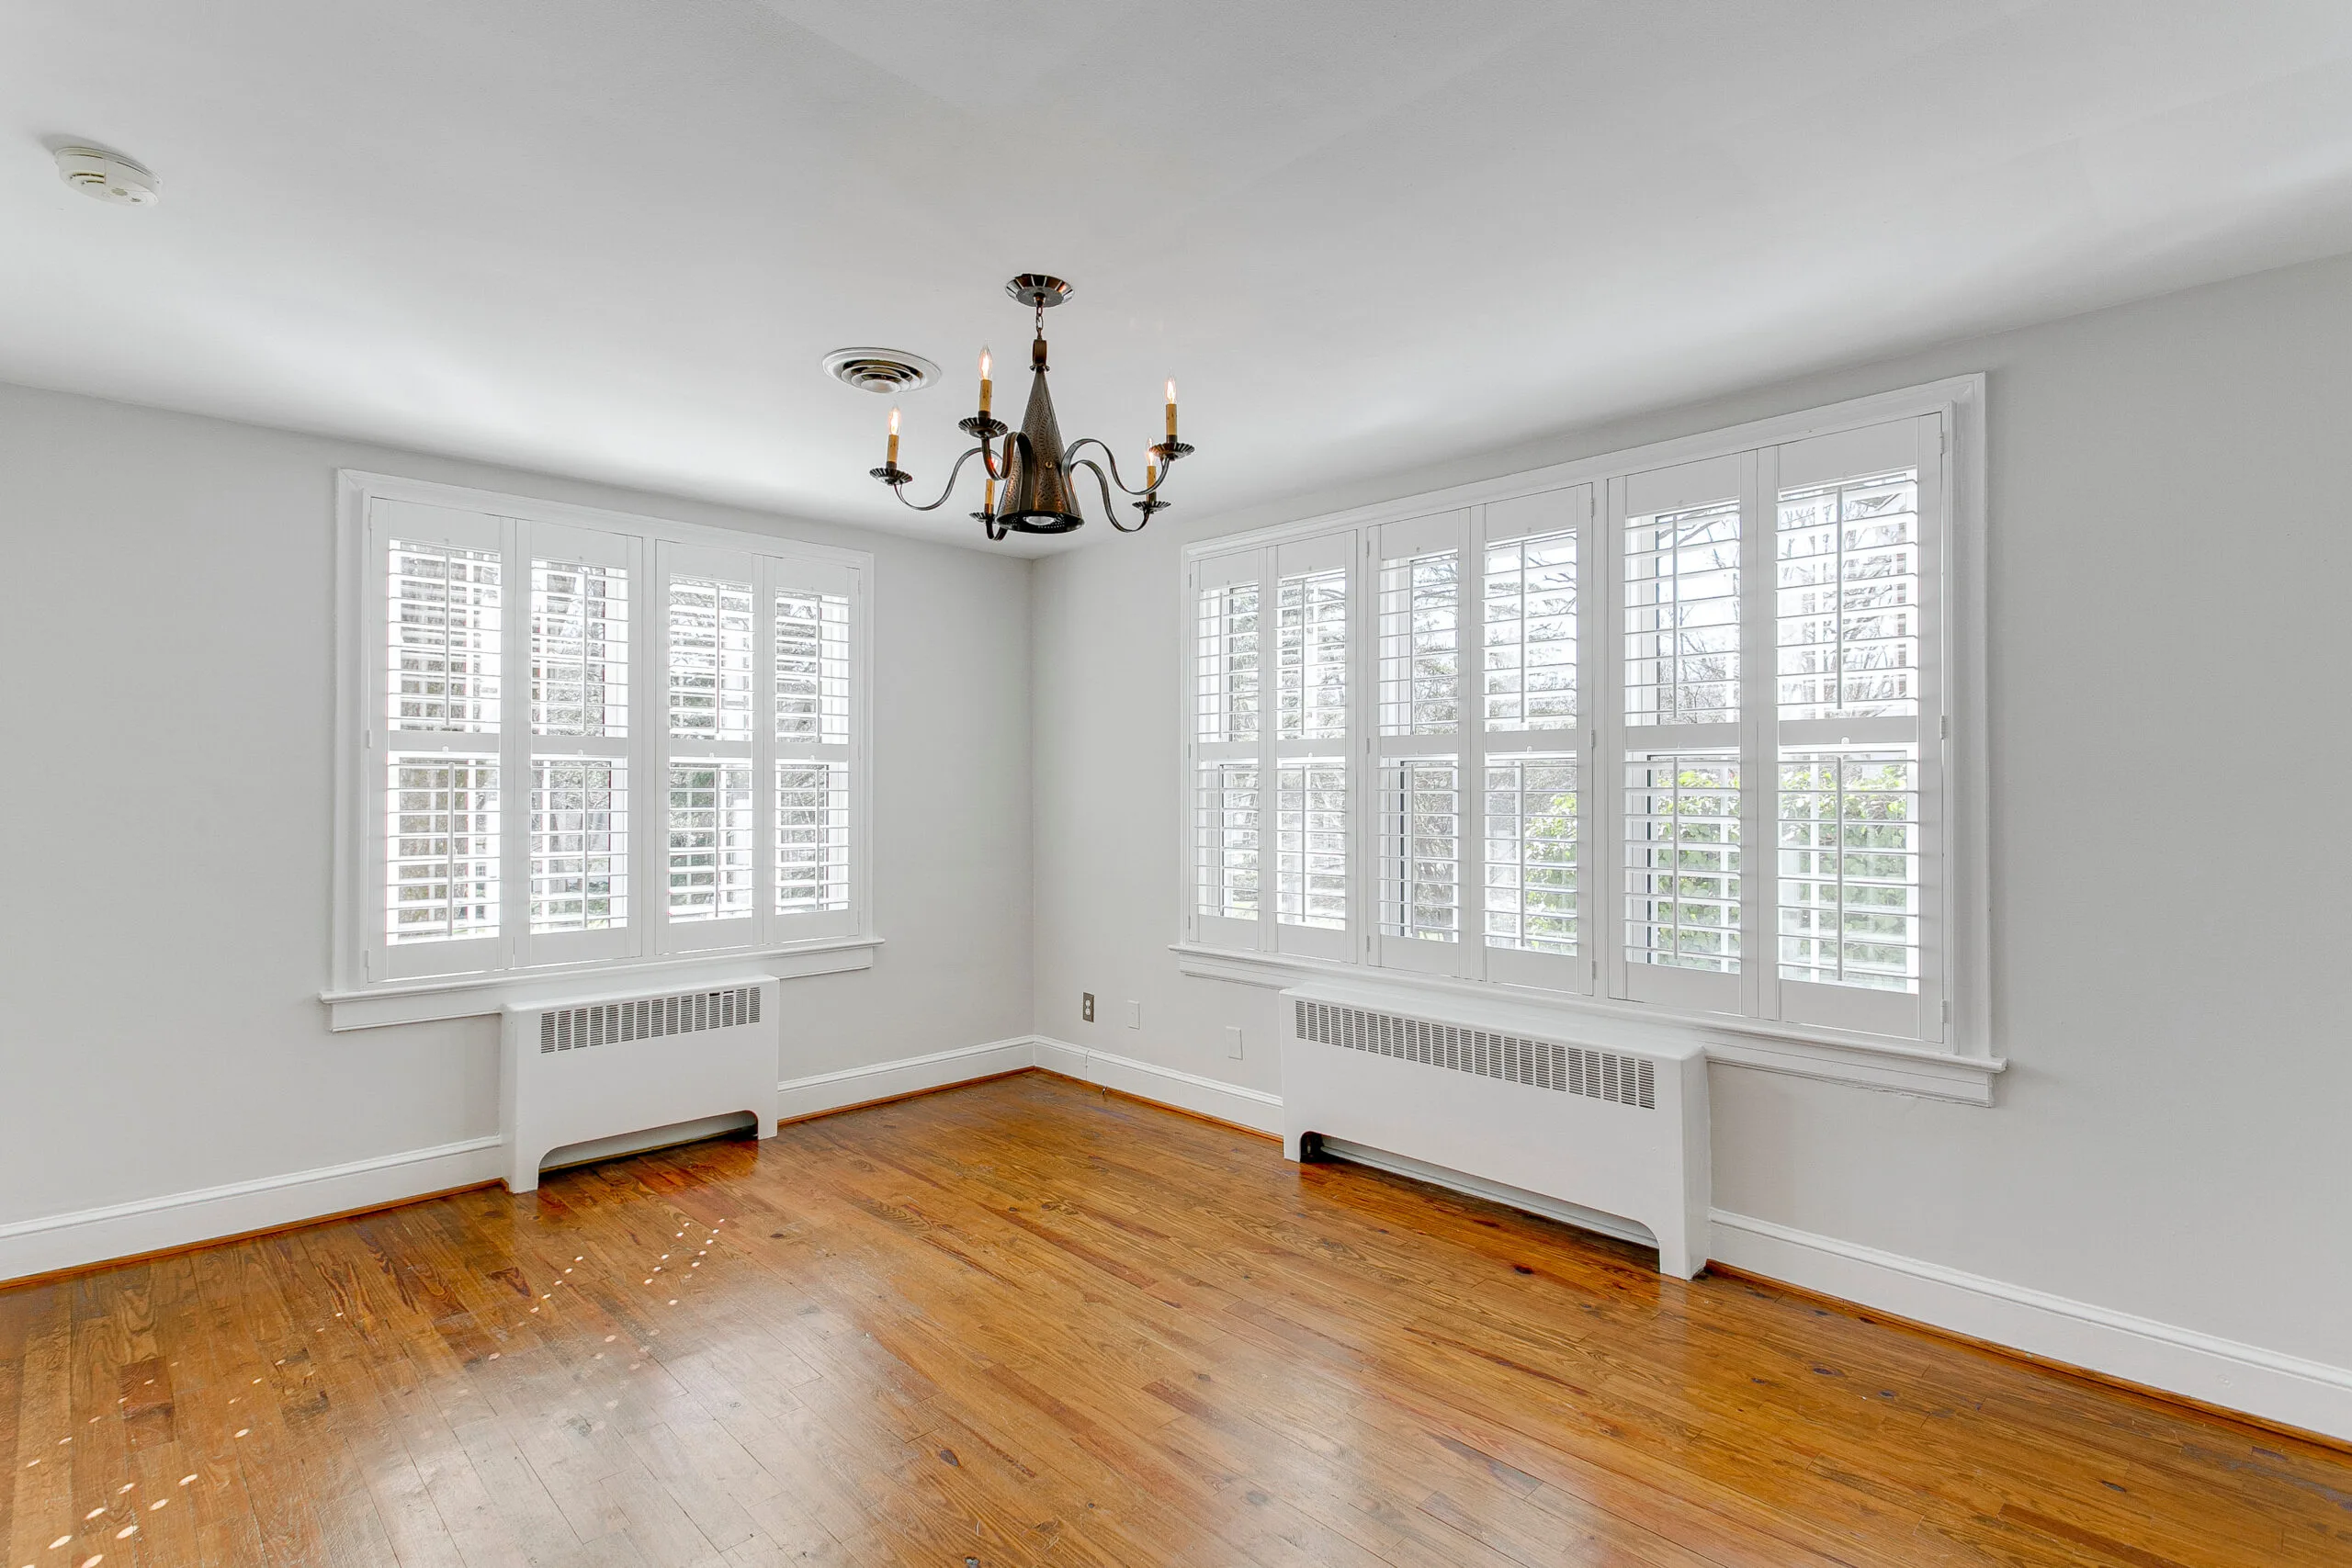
(1039, 474)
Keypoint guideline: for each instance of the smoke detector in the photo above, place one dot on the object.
(107, 176)
(880, 370)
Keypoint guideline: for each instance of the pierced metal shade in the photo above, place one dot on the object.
(1038, 494)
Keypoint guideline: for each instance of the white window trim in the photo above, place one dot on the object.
(1963, 1067)
(354, 1000)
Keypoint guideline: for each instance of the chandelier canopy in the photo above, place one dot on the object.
(1039, 473)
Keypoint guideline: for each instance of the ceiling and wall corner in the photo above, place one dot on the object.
(615, 239)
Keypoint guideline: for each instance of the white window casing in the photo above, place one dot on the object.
(1691, 735)
(573, 742)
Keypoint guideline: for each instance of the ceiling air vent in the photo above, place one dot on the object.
(880, 370)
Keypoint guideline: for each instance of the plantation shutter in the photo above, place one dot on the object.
(713, 812)
(1531, 740)
(1307, 749)
(1677, 737)
(1855, 729)
(437, 684)
(810, 611)
(1681, 664)
(580, 701)
(1420, 795)
(1227, 737)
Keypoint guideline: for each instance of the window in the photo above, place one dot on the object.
(581, 740)
(1668, 735)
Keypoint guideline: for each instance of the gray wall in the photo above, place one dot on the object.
(166, 709)
(2172, 884)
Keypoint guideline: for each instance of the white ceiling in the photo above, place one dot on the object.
(613, 238)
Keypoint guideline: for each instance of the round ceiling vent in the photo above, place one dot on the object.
(880, 370)
(108, 176)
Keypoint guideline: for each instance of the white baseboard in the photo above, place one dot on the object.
(181, 1219)
(2309, 1394)
(796, 1098)
(1252, 1108)
(88, 1237)
(2313, 1395)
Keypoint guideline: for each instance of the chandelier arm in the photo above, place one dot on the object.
(1109, 507)
(1069, 460)
(899, 489)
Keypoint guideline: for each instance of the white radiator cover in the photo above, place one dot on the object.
(595, 1066)
(1511, 1093)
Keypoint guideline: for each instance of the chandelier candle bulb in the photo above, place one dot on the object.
(988, 497)
(892, 460)
(986, 386)
(1150, 469)
(1172, 408)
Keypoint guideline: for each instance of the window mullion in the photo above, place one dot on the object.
(765, 920)
(1759, 765)
(1269, 722)
(1606, 724)
(649, 743)
(1363, 709)
(1470, 719)
(515, 744)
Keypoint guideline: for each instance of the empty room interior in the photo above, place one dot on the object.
(871, 783)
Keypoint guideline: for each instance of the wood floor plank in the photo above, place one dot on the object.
(1023, 1323)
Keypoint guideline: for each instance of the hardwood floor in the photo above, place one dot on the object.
(1023, 1323)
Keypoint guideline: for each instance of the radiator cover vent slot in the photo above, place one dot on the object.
(1538, 1064)
(647, 1018)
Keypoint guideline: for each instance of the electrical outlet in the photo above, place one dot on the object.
(1086, 1006)
(1233, 1040)
(1135, 1015)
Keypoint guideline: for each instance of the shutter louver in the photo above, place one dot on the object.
(1312, 659)
(442, 839)
(711, 660)
(579, 844)
(812, 836)
(812, 668)
(579, 649)
(1682, 842)
(1225, 835)
(446, 624)
(1311, 842)
(1420, 644)
(1421, 811)
(1683, 615)
(1531, 634)
(1226, 634)
(1532, 831)
(1850, 868)
(711, 857)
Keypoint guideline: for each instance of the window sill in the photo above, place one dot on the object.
(475, 996)
(1745, 1043)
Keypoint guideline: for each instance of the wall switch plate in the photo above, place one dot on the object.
(1135, 1015)
(1086, 1006)
(1233, 1040)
